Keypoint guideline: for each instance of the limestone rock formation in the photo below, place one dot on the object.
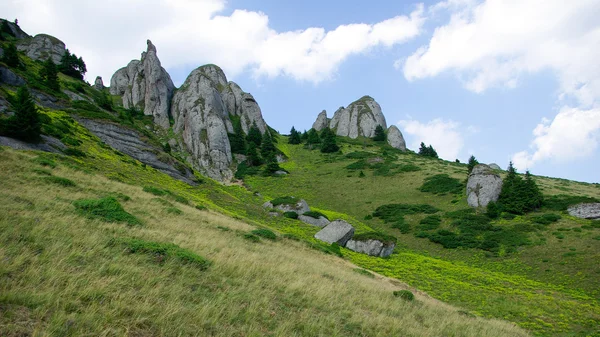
(320, 222)
(395, 138)
(371, 247)
(494, 166)
(98, 84)
(48, 144)
(243, 104)
(360, 118)
(201, 118)
(338, 231)
(9, 77)
(322, 121)
(300, 207)
(585, 211)
(145, 85)
(43, 46)
(17, 32)
(483, 186)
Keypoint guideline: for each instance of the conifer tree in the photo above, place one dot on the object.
(11, 57)
(328, 141)
(73, 66)
(49, 75)
(267, 149)
(471, 164)
(379, 134)
(25, 124)
(312, 138)
(237, 140)
(294, 137)
(252, 157)
(254, 135)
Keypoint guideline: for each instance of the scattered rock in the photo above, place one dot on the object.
(48, 144)
(320, 222)
(322, 121)
(281, 173)
(42, 47)
(360, 118)
(494, 166)
(371, 247)
(98, 84)
(585, 211)
(395, 138)
(9, 77)
(300, 207)
(483, 186)
(130, 143)
(338, 231)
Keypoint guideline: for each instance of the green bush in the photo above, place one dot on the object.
(162, 251)
(291, 215)
(74, 152)
(315, 214)
(408, 168)
(154, 190)
(251, 237)
(430, 222)
(265, 233)
(59, 181)
(546, 219)
(394, 214)
(442, 183)
(492, 210)
(107, 209)
(406, 295)
(244, 170)
(174, 210)
(386, 239)
(519, 196)
(359, 155)
(359, 165)
(26, 123)
(180, 199)
(562, 202)
(285, 201)
(45, 162)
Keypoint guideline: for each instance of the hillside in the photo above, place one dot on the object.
(112, 224)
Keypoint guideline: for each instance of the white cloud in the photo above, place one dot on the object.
(108, 34)
(446, 137)
(492, 43)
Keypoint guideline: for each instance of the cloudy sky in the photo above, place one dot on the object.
(500, 79)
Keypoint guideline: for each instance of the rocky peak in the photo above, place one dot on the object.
(360, 118)
(16, 31)
(322, 121)
(98, 84)
(43, 46)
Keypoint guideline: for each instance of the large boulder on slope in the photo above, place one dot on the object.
(43, 46)
(483, 186)
(338, 231)
(585, 211)
(321, 221)
(360, 118)
(300, 206)
(395, 138)
(371, 247)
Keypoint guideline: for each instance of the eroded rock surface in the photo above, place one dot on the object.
(395, 138)
(9, 77)
(371, 247)
(320, 222)
(360, 118)
(338, 231)
(483, 186)
(585, 211)
(43, 46)
(322, 121)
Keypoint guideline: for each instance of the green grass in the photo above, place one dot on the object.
(107, 209)
(59, 181)
(161, 251)
(265, 233)
(442, 183)
(315, 214)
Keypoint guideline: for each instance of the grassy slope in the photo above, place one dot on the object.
(549, 287)
(60, 274)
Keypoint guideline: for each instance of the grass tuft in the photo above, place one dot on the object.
(107, 209)
(163, 251)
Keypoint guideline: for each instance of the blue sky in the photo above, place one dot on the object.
(501, 80)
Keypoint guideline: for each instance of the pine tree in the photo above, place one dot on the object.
(519, 196)
(11, 56)
(472, 163)
(427, 151)
(533, 196)
(25, 124)
(423, 149)
(294, 137)
(267, 150)
(312, 138)
(328, 141)
(237, 140)
(432, 152)
(304, 136)
(254, 135)
(252, 157)
(73, 66)
(49, 75)
(379, 134)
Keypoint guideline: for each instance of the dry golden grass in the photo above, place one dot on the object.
(59, 275)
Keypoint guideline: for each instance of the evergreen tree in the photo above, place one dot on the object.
(49, 75)
(252, 157)
(294, 137)
(304, 136)
(379, 134)
(254, 135)
(11, 57)
(432, 152)
(519, 196)
(237, 140)
(533, 196)
(73, 66)
(312, 138)
(427, 151)
(423, 149)
(267, 149)
(328, 141)
(26, 123)
(472, 163)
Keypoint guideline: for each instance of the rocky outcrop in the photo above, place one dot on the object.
(242, 104)
(145, 85)
(9, 77)
(202, 119)
(16, 31)
(483, 186)
(395, 138)
(98, 84)
(48, 144)
(322, 121)
(130, 143)
(46, 100)
(494, 166)
(299, 207)
(337, 231)
(319, 222)
(371, 247)
(360, 118)
(585, 211)
(74, 96)
(42, 47)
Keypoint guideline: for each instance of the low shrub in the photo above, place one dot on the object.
(441, 184)
(45, 162)
(406, 295)
(546, 219)
(285, 201)
(200, 207)
(408, 168)
(162, 251)
(251, 237)
(180, 199)
(154, 190)
(315, 214)
(359, 155)
(430, 222)
(174, 210)
(59, 181)
(264, 233)
(386, 239)
(562, 202)
(359, 165)
(291, 215)
(107, 209)
(74, 152)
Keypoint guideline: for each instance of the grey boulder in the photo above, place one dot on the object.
(98, 84)
(319, 222)
(483, 186)
(395, 138)
(43, 46)
(360, 118)
(585, 211)
(338, 231)
(300, 207)
(48, 144)
(9, 77)
(371, 247)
